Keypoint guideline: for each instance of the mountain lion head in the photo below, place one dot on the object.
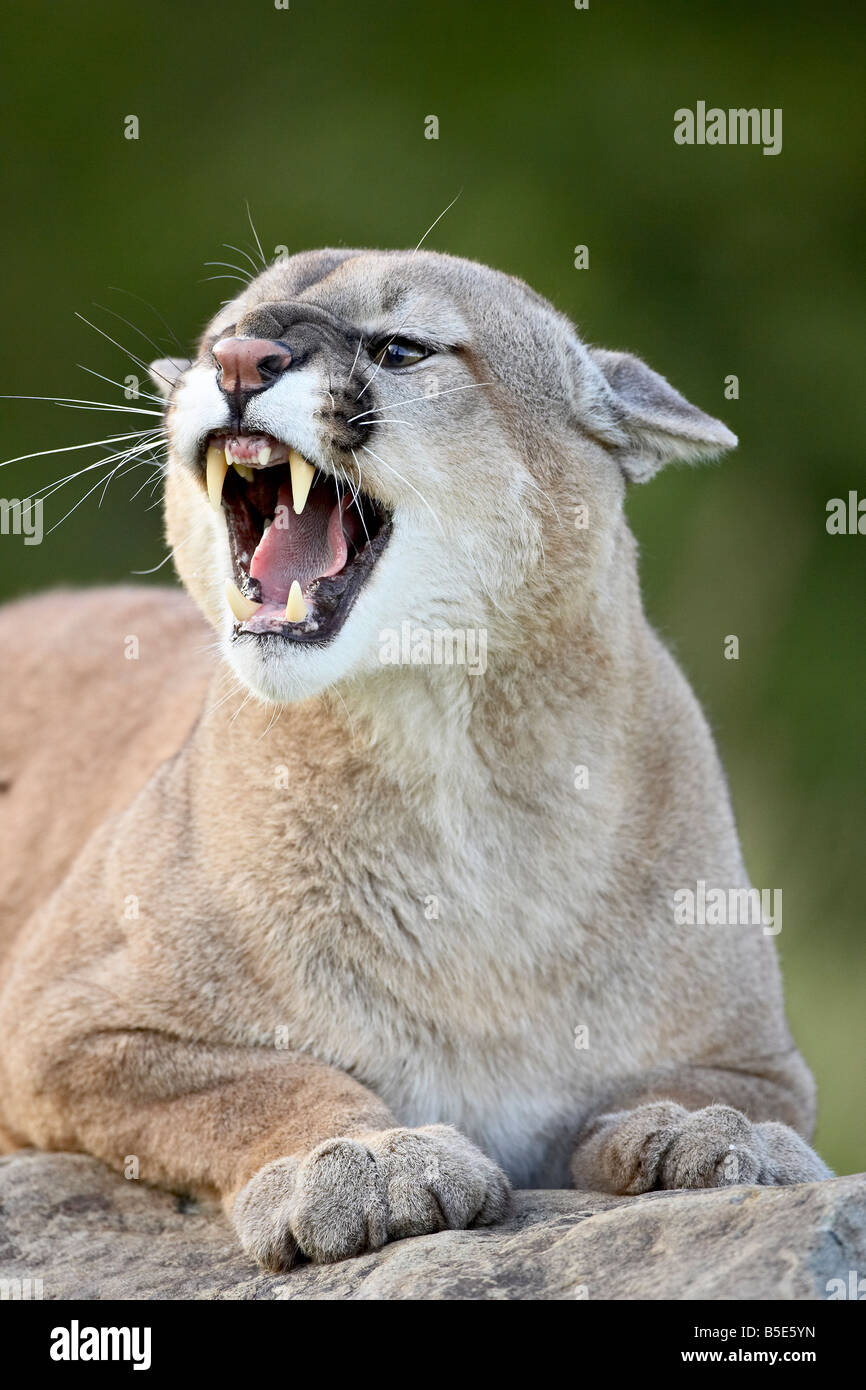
(371, 437)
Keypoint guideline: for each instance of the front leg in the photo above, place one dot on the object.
(303, 1158)
(694, 1127)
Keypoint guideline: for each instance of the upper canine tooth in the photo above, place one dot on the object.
(296, 609)
(217, 467)
(241, 606)
(264, 455)
(302, 480)
(244, 470)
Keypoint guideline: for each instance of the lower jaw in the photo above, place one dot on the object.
(328, 600)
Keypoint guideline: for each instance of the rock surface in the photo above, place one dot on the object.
(89, 1234)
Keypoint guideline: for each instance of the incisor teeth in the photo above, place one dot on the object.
(296, 609)
(264, 455)
(241, 606)
(302, 480)
(217, 467)
(244, 470)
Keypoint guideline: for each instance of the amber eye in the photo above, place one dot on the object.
(398, 352)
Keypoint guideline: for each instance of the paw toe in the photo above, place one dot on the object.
(438, 1180)
(261, 1215)
(789, 1158)
(339, 1206)
(713, 1147)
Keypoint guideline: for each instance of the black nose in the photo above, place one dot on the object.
(249, 364)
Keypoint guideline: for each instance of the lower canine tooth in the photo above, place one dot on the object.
(241, 606)
(302, 480)
(244, 470)
(296, 609)
(216, 470)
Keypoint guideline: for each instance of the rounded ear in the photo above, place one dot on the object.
(658, 423)
(166, 372)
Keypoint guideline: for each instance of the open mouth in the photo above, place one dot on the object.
(302, 544)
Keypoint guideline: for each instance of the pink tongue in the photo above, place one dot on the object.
(304, 547)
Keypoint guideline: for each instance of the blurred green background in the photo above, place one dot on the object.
(556, 127)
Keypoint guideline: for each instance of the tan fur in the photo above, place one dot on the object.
(286, 1024)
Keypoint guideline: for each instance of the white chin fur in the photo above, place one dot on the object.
(399, 588)
(283, 673)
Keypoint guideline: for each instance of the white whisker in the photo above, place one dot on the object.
(381, 420)
(394, 335)
(240, 707)
(99, 482)
(202, 521)
(151, 481)
(48, 489)
(408, 484)
(120, 472)
(116, 289)
(70, 448)
(398, 405)
(256, 235)
(241, 252)
(355, 362)
(122, 319)
(148, 395)
(126, 351)
(233, 689)
(229, 265)
(356, 495)
(338, 693)
(548, 499)
(278, 710)
(339, 496)
(433, 224)
(73, 402)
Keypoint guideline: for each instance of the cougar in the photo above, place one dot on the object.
(309, 915)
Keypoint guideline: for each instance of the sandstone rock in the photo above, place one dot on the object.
(89, 1234)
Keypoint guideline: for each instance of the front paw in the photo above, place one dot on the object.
(663, 1145)
(349, 1195)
